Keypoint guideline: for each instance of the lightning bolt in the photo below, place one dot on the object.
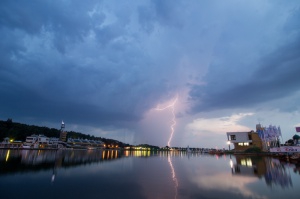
(172, 107)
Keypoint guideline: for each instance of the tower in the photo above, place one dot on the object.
(258, 127)
(63, 134)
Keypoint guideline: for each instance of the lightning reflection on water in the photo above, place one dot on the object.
(174, 178)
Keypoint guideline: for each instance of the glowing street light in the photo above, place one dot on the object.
(228, 142)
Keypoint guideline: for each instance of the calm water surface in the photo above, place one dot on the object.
(138, 175)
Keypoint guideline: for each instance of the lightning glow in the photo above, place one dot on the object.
(172, 107)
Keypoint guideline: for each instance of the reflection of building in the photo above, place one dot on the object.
(137, 153)
(244, 140)
(277, 174)
(270, 169)
(249, 166)
(43, 159)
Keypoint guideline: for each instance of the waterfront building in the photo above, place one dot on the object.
(7, 143)
(63, 136)
(244, 140)
(265, 138)
(40, 141)
(84, 143)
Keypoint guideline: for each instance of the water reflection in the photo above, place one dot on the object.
(34, 160)
(174, 178)
(139, 153)
(168, 154)
(271, 169)
(146, 174)
(7, 155)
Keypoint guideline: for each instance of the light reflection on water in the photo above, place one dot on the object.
(144, 174)
(174, 178)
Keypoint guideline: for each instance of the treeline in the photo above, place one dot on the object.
(18, 131)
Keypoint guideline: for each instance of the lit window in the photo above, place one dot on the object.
(243, 162)
(249, 162)
(240, 144)
(246, 162)
(246, 144)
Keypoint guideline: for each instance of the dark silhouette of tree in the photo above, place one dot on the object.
(296, 138)
(9, 123)
(289, 142)
(18, 131)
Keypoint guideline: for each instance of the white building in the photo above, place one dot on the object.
(244, 140)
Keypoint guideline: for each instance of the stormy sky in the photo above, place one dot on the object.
(103, 67)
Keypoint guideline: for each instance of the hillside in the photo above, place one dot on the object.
(18, 131)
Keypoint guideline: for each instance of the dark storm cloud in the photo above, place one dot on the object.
(109, 62)
(71, 60)
(273, 76)
(58, 16)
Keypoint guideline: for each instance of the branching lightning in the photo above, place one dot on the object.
(172, 107)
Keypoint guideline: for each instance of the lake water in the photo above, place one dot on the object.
(137, 175)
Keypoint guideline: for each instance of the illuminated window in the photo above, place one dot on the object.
(240, 144)
(246, 144)
(243, 162)
(246, 162)
(249, 162)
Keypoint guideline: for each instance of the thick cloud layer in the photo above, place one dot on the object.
(106, 64)
(276, 77)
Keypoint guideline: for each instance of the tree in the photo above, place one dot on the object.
(296, 138)
(289, 142)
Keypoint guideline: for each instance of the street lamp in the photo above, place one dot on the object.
(228, 142)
